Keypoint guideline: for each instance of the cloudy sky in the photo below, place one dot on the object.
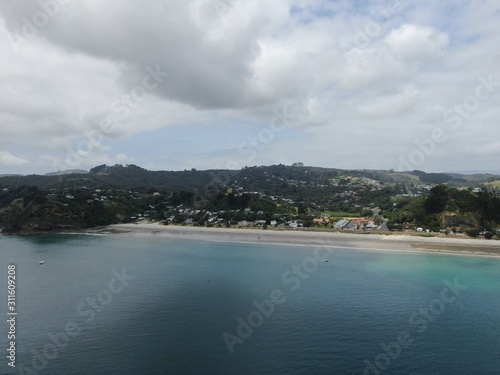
(170, 84)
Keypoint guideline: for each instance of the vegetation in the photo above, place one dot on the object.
(276, 195)
(446, 207)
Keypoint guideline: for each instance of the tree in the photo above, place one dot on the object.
(437, 200)
(473, 233)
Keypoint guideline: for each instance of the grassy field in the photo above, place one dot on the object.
(494, 184)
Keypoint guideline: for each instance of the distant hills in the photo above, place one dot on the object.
(133, 176)
(270, 194)
(66, 172)
(478, 172)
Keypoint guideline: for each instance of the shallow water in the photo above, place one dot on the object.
(331, 317)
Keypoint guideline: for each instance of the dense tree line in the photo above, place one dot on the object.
(469, 209)
(39, 202)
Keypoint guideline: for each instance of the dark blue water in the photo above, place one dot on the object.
(175, 308)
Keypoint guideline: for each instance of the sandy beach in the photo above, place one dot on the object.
(398, 243)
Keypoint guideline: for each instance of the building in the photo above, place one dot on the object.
(321, 220)
(341, 224)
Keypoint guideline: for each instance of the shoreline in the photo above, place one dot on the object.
(372, 242)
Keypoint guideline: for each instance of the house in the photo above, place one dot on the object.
(341, 224)
(351, 226)
(321, 220)
(363, 221)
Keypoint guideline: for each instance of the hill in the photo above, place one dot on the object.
(276, 194)
(445, 207)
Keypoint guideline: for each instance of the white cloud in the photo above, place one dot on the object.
(233, 67)
(391, 105)
(485, 149)
(417, 44)
(9, 160)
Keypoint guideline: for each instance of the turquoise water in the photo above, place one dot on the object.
(174, 303)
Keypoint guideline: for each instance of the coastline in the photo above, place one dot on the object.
(374, 242)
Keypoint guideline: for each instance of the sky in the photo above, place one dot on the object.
(174, 85)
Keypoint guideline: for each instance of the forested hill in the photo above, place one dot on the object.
(130, 177)
(278, 193)
(134, 177)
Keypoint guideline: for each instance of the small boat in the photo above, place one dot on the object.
(41, 262)
(326, 259)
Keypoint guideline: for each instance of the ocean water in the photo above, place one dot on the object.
(131, 305)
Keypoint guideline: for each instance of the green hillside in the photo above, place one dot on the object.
(278, 193)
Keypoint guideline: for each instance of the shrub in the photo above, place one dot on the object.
(473, 233)
(488, 235)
